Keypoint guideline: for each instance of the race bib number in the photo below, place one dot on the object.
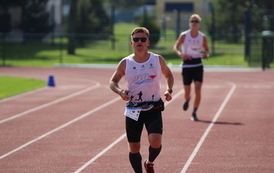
(133, 113)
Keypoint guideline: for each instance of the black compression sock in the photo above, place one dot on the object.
(136, 162)
(194, 110)
(153, 153)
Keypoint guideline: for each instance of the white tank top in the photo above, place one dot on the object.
(143, 80)
(193, 46)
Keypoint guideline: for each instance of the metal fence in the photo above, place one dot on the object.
(261, 50)
(16, 48)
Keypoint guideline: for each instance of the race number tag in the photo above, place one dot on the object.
(133, 113)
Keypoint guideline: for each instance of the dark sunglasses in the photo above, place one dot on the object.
(136, 39)
(194, 21)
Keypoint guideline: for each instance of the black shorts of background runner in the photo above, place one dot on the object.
(192, 74)
(152, 121)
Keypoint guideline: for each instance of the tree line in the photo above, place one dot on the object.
(231, 18)
(234, 18)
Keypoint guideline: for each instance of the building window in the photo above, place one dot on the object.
(181, 7)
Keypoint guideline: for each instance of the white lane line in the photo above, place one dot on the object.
(23, 94)
(195, 151)
(61, 127)
(116, 141)
(50, 103)
(101, 153)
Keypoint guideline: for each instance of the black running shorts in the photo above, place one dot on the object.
(152, 121)
(192, 74)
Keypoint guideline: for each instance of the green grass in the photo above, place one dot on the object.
(11, 86)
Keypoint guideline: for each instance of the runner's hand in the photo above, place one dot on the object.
(185, 57)
(124, 95)
(205, 54)
(168, 96)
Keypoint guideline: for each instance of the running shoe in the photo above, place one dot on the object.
(149, 167)
(194, 117)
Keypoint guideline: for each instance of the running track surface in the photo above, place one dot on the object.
(78, 125)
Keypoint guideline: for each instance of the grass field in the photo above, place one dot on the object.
(108, 52)
(11, 86)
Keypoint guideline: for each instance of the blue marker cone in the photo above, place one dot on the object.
(51, 82)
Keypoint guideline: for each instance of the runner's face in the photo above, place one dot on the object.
(139, 38)
(194, 22)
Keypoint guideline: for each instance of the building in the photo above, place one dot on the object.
(56, 9)
(174, 14)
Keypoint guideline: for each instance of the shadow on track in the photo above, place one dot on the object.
(220, 122)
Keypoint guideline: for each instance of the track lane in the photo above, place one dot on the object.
(166, 164)
(240, 141)
(46, 104)
(68, 149)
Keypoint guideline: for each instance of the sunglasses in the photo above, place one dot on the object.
(136, 39)
(194, 21)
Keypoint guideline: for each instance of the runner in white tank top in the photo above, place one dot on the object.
(189, 47)
(142, 71)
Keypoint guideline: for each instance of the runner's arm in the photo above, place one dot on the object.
(115, 79)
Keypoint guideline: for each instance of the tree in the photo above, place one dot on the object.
(86, 17)
(230, 21)
(36, 19)
(5, 17)
(72, 27)
(148, 22)
(122, 4)
(92, 18)
(269, 12)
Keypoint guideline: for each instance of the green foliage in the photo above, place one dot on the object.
(9, 3)
(230, 18)
(5, 22)
(5, 16)
(92, 17)
(154, 30)
(36, 19)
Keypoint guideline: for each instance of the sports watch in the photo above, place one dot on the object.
(169, 90)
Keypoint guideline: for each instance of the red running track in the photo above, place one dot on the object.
(78, 126)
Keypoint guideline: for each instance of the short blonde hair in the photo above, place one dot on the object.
(195, 16)
(140, 30)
